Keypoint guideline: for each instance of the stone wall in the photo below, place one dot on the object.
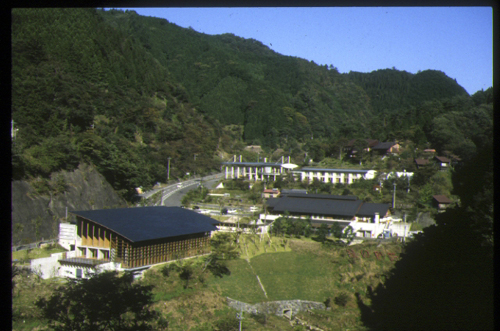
(279, 308)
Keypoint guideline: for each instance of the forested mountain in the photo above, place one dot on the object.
(126, 93)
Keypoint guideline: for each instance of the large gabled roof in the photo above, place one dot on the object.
(148, 223)
(369, 209)
(330, 205)
(320, 196)
(315, 206)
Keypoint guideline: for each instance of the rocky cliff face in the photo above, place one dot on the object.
(39, 206)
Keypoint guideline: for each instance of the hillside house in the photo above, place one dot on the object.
(384, 148)
(421, 163)
(270, 193)
(351, 150)
(443, 163)
(441, 202)
(128, 239)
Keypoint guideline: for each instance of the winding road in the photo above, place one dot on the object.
(172, 194)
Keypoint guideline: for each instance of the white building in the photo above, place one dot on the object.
(334, 176)
(268, 171)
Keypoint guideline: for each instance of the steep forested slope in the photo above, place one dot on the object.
(83, 90)
(127, 93)
(241, 81)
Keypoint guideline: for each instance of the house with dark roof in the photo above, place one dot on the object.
(323, 208)
(441, 202)
(131, 239)
(351, 150)
(386, 148)
(421, 163)
(366, 219)
(442, 162)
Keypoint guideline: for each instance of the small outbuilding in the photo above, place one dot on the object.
(441, 202)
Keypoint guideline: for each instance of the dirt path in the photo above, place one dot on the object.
(258, 279)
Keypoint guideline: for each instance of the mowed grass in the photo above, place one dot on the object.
(292, 275)
(242, 283)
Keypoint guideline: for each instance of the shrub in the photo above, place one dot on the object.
(165, 271)
(227, 323)
(260, 318)
(342, 299)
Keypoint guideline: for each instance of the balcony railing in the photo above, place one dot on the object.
(83, 261)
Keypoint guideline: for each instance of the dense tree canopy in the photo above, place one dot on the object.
(105, 301)
(444, 280)
(127, 92)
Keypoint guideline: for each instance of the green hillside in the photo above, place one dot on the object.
(126, 93)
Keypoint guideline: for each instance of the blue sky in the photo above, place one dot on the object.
(455, 40)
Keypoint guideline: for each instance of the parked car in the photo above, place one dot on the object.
(231, 211)
(179, 185)
(254, 208)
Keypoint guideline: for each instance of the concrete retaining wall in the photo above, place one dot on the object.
(279, 308)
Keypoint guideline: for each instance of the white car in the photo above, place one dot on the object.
(179, 185)
(254, 208)
(232, 211)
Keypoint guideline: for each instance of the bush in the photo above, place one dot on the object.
(165, 271)
(342, 299)
(228, 323)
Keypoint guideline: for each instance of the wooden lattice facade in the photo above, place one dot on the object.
(137, 254)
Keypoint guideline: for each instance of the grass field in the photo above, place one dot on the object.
(288, 269)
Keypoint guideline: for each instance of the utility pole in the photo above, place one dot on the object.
(240, 316)
(394, 197)
(195, 165)
(168, 169)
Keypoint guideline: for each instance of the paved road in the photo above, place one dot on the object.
(172, 195)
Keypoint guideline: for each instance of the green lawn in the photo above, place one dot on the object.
(289, 276)
(36, 253)
(241, 285)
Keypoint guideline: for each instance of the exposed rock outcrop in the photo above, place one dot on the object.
(82, 189)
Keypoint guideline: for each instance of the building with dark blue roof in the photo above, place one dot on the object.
(323, 208)
(137, 237)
